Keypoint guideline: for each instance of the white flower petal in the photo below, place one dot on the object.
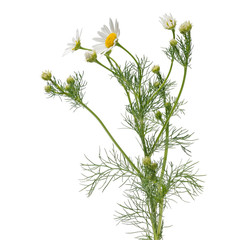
(103, 35)
(116, 27)
(98, 46)
(99, 40)
(111, 25)
(77, 34)
(105, 29)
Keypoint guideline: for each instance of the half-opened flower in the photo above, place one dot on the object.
(185, 27)
(108, 37)
(91, 56)
(168, 22)
(76, 43)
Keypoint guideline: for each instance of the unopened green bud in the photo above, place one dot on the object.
(168, 106)
(185, 27)
(146, 161)
(68, 87)
(46, 75)
(158, 115)
(70, 80)
(108, 53)
(156, 84)
(173, 42)
(91, 56)
(48, 88)
(154, 166)
(156, 69)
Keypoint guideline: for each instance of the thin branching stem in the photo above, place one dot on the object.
(112, 138)
(172, 110)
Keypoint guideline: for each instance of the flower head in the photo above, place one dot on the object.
(48, 88)
(154, 166)
(91, 56)
(76, 43)
(108, 37)
(173, 42)
(185, 27)
(46, 75)
(158, 115)
(156, 69)
(70, 80)
(168, 22)
(146, 161)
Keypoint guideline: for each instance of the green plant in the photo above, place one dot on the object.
(151, 182)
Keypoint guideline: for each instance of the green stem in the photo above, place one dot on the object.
(109, 134)
(171, 112)
(136, 121)
(119, 45)
(138, 66)
(161, 205)
(82, 48)
(104, 66)
(164, 82)
(152, 223)
(126, 90)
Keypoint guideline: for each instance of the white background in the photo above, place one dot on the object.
(43, 142)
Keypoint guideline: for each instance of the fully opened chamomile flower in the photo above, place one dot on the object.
(108, 37)
(168, 22)
(76, 43)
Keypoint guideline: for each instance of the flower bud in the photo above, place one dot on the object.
(48, 88)
(91, 56)
(156, 69)
(173, 42)
(168, 106)
(185, 27)
(158, 115)
(46, 75)
(156, 84)
(146, 161)
(154, 166)
(68, 87)
(70, 80)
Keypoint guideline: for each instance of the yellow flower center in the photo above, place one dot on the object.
(109, 42)
(77, 46)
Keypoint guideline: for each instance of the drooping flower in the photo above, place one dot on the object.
(185, 27)
(108, 37)
(75, 45)
(168, 22)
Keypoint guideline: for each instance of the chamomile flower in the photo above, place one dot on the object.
(91, 56)
(168, 22)
(76, 43)
(46, 75)
(185, 27)
(108, 37)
